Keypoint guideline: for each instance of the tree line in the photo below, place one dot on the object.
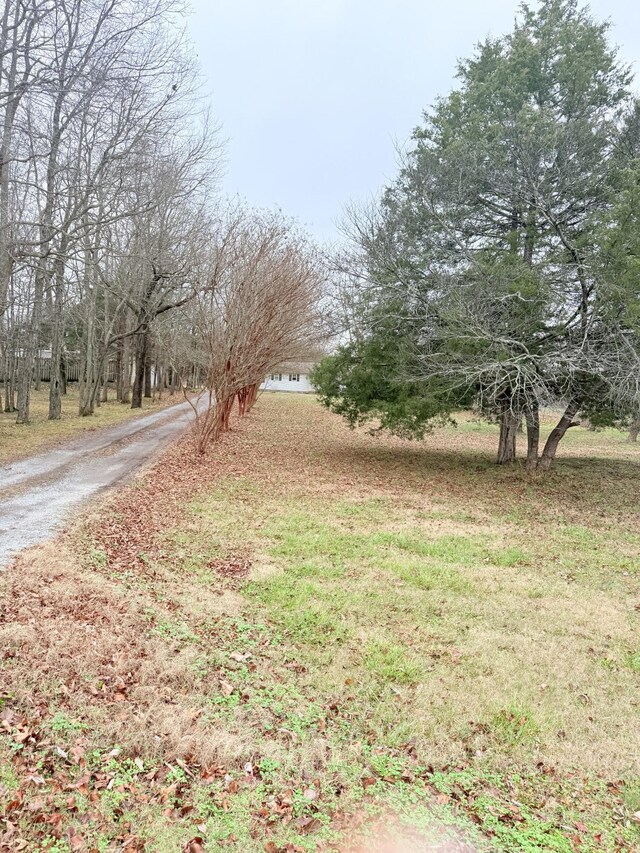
(500, 270)
(117, 251)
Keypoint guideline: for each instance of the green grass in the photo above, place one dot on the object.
(423, 639)
(392, 662)
(412, 626)
(633, 661)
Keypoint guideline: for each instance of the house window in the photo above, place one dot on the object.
(294, 377)
(276, 377)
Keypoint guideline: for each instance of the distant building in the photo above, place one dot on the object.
(290, 376)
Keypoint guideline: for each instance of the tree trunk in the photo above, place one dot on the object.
(557, 434)
(30, 348)
(37, 371)
(10, 386)
(13, 91)
(87, 366)
(126, 371)
(532, 416)
(104, 393)
(140, 369)
(634, 430)
(25, 371)
(242, 401)
(119, 382)
(509, 420)
(159, 385)
(252, 396)
(5, 379)
(55, 378)
(24, 389)
(63, 375)
(147, 376)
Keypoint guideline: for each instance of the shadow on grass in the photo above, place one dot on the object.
(575, 484)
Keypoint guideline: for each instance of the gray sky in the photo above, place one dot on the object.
(313, 95)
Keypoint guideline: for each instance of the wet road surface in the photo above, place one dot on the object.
(37, 493)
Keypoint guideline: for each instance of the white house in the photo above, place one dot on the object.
(290, 376)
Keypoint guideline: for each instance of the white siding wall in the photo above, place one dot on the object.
(285, 384)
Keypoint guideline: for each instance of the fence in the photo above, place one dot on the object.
(42, 367)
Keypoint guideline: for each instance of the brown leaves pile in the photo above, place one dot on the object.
(129, 525)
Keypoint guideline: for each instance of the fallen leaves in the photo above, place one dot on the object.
(51, 781)
(195, 845)
(231, 567)
(74, 839)
(55, 776)
(225, 688)
(272, 847)
(281, 808)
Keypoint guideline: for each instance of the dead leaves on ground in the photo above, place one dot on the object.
(60, 792)
(231, 567)
(127, 540)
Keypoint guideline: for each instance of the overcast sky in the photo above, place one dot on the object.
(314, 95)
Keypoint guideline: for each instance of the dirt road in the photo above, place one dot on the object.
(37, 494)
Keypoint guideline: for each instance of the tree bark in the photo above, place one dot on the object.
(31, 345)
(140, 369)
(104, 393)
(509, 420)
(87, 366)
(147, 376)
(57, 332)
(557, 434)
(104, 396)
(14, 85)
(10, 389)
(159, 383)
(24, 389)
(126, 372)
(63, 375)
(119, 370)
(532, 416)
(10, 373)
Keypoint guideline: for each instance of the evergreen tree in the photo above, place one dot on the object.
(485, 255)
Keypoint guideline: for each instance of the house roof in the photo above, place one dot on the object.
(294, 367)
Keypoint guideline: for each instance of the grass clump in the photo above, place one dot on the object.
(392, 662)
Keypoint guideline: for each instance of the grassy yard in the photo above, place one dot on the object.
(319, 639)
(17, 441)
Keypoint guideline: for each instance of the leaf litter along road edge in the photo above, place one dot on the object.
(129, 545)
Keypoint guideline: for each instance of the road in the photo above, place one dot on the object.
(37, 493)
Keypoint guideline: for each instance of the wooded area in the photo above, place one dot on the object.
(115, 242)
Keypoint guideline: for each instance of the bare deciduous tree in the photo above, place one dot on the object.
(261, 308)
